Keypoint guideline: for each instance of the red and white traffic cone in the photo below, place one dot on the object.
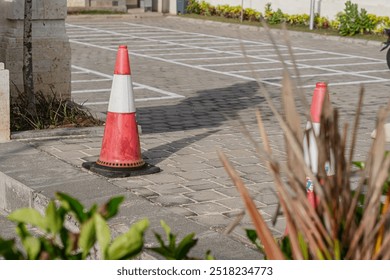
(120, 155)
(310, 148)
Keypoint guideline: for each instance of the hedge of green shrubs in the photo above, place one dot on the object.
(349, 22)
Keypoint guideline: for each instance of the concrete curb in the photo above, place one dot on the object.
(58, 133)
(116, 16)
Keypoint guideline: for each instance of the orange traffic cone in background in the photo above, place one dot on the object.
(310, 148)
(120, 155)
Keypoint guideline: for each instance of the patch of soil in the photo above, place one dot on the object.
(50, 112)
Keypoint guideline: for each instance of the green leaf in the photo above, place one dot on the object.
(28, 216)
(166, 228)
(171, 237)
(303, 246)
(337, 250)
(22, 231)
(159, 239)
(9, 251)
(285, 246)
(111, 208)
(128, 244)
(103, 234)
(185, 246)
(209, 256)
(359, 164)
(252, 236)
(70, 241)
(164, 251)
(32, 245)
(92, 211)
(73, 205)
(54, 219)
(87, 237)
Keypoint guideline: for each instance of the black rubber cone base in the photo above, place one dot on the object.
(115, 172)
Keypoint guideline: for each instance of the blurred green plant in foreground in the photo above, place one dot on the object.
(93, 240)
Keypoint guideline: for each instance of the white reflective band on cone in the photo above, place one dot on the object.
(121, 98)
(310, 149)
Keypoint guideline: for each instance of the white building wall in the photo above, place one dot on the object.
(76, 3)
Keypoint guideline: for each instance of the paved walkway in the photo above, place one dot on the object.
(182, 136)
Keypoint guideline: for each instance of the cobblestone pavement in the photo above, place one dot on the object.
(188, 103)
(183, 133)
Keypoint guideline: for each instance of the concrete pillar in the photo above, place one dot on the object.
(163, 6)
(5, 133)
(173, 7)
(51, 48)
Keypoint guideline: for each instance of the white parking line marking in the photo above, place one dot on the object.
(234, 64)
(214, 46)
(91, 90)
(207, 58)
(187, 53)
(166, 94)
(87, 81)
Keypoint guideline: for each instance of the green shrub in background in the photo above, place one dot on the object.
(349, 22)
(193, 7)
(321, 22)
(252, 15)
(57, 241)
(352, 21)
(206, 9)
(303, 19)
(380, 23)
(273, 17)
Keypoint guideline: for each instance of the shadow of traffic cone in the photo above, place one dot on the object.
(310, 148)
(120, 155)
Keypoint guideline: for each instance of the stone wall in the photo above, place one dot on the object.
(4, 105)
(51, 48)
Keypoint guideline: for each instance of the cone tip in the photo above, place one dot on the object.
(122, 65)
(321, 85)
(317, 101)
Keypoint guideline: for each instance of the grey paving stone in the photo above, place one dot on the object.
(69, 147)
(168, 189)
(237, 203)
(7, 228)
(182, 211)
(219, 172)
(173, 200)
(187, 159)
(149, 194)
(194, 175)
(132, 182)
(161, 178)
(200, 185)
(207, 208)
(93, 144)
(215, 221)
(206, 195)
